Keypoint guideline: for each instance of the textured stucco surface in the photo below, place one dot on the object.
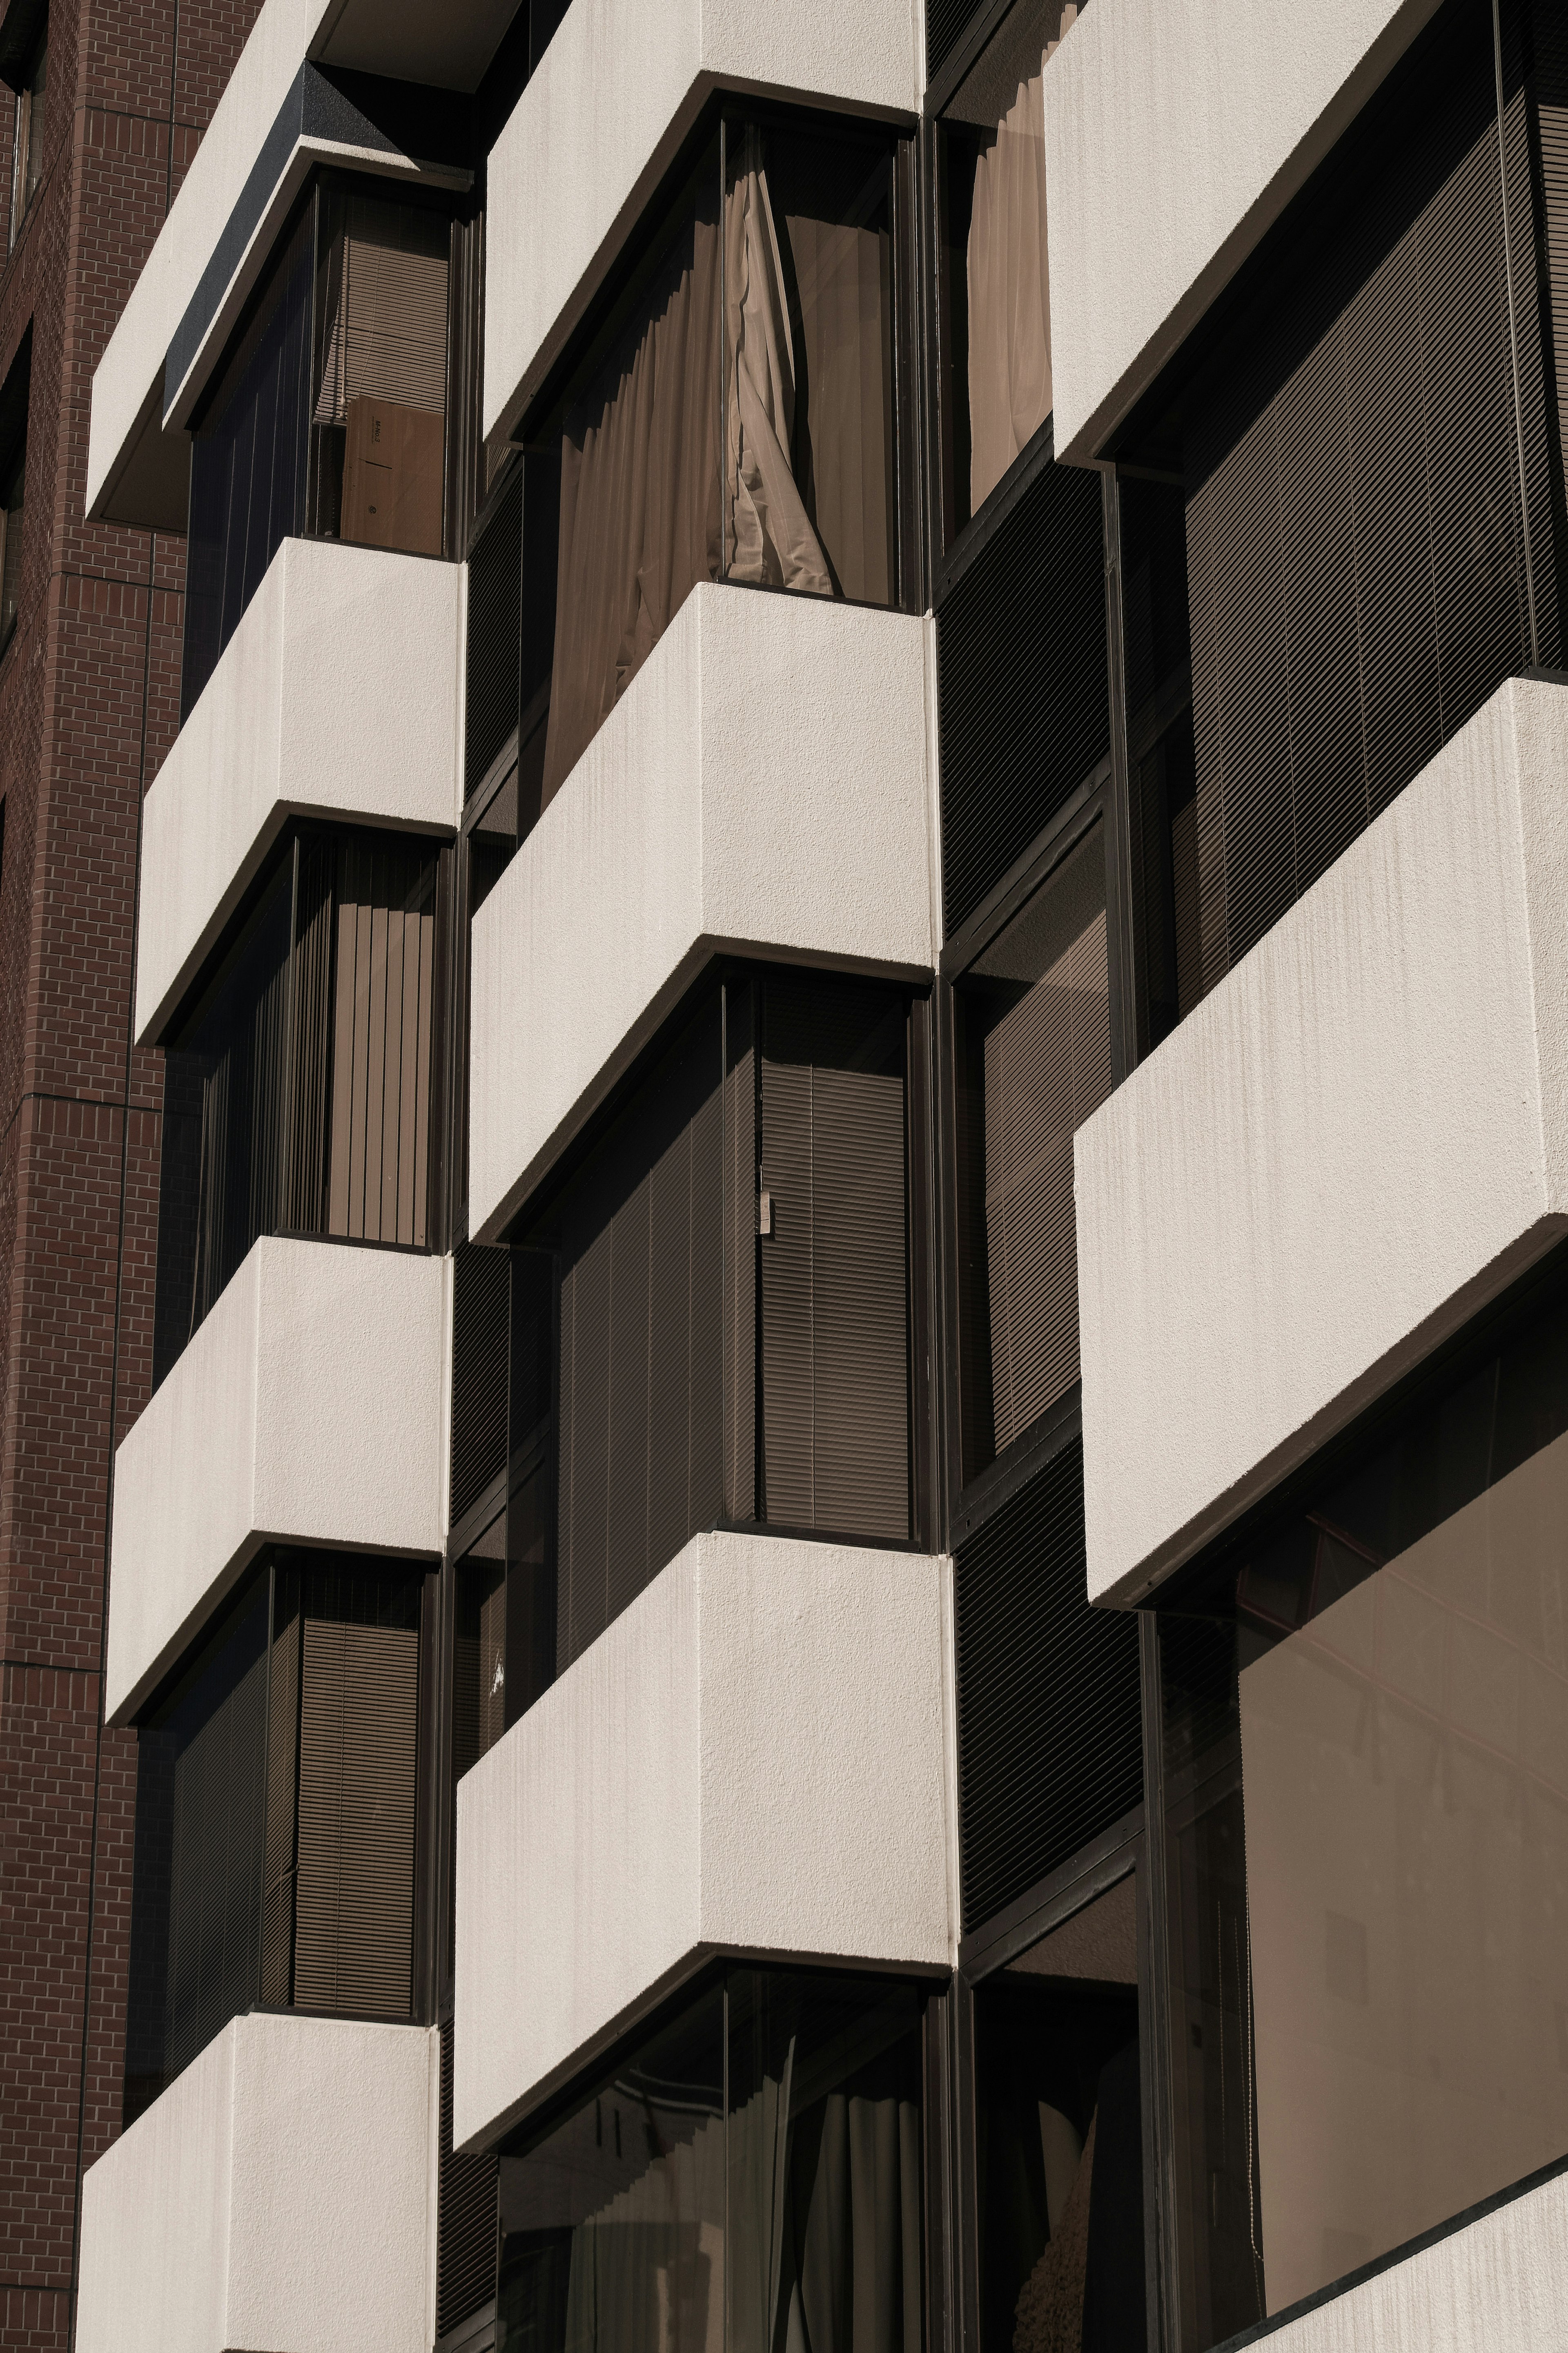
(1359, 1136)
(752, 1757)
(338, 695)
(616, 90)
(310, 1407)
(760, 784)
(1497, 2286)
(275, 2196)
(1176, 132)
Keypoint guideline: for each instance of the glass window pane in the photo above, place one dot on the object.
(1367, 1775)
(999, 346)
(247, 462)
(1034, 1060)
(612, 2228)
(11, 488)
(1058, 2138)
(379, 402)
(824, 2164)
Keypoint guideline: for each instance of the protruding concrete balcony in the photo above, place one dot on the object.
(1355, 1141)
(337, 697)
(308, 1408)
(762, 788)
(279, 2193)
(753, 1757)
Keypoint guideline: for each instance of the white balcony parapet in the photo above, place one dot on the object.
(279, 115)
(1354, 1143)
(615, 93)
(764, 786)
(337, 697)
(1495, 2284)
(755, 1757)
(309, 1409)
(279, 2193)
(1176, 133)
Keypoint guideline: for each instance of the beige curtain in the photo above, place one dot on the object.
(770, 534)
(844, 444)
(640, 500)
(1009, 287)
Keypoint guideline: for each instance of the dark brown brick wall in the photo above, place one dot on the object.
(88, 704)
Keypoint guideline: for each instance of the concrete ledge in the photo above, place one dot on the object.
(763, 786)
(617, 91)
(280, 114)
(278, 2194)
(1176, 133)
(309, 1409)
(338, 696)
(1354, 1143)
(753, 1757)
(1496, 2284)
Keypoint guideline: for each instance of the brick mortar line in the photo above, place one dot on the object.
(50, 1667)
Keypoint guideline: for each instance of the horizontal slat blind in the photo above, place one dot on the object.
(1023, 709)
(740, 1183)
(1049, 1729)
(1356, 557)
(481, 1309)
(466, 2226)
(353, 1937)
(379, 1173)
(835, 1289)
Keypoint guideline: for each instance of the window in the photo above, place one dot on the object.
(1365, 1727)
(731, 418)
(275, 1814)
(297, 1094)
(28, 134)
(722, 1288)
(1031, 1061)
(1059, 2140)
(748, 2177)
(328, 414)
(997, 361)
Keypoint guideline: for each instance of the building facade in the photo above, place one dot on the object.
(833, 1602)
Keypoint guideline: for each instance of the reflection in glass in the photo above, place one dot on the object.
(1058, 2140)
(12, 484)
(1367, 1783)
(1033, 1035)
(662, 2217)
(999, 355)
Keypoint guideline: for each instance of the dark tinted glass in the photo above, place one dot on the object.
(1366, 1763)
(1058, 2140)
(1033, 1035)
(663, 2217)
(247, 462)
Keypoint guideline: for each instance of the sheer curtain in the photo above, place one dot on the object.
(1009, 285)
(771, 538)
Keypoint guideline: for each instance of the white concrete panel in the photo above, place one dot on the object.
(1176, 132)
(761, 785)
(1497, 2286)
(133, 358)
(1356, 1139)
(619, 87)
(338, 696)
(309, 1409)
(274, 2195)
(753, 1757)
